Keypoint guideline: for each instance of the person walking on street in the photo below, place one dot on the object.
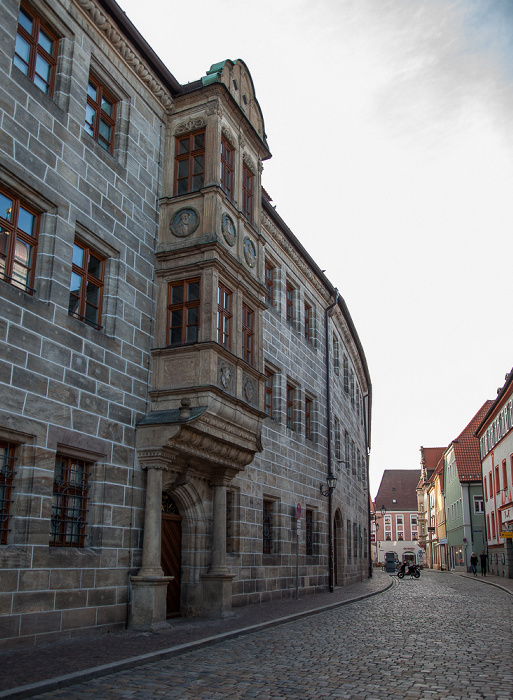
(483, 559)
(473, 563)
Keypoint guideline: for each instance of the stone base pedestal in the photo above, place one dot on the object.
(217, 595)
(148, 609)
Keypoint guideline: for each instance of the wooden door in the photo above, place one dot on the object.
(171, 559)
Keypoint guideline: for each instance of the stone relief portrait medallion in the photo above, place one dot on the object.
(184, 222)
(249, 390)
(228, 229)
(226, 375)
(250, 252)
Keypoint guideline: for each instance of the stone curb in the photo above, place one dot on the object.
(481, 579)
(50, 684)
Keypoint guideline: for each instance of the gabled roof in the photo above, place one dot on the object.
(429, 458)
(399, 485)
(502, 394)
(466, 447)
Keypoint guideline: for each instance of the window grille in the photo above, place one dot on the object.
(268, 527)
(7, 460)
(69, 504)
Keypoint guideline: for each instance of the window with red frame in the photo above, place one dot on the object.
(308, 418)
(497, 480)
(493, 525)
(308, 321)
(183, 311)
(504, 475)
(224, 316)
(485, 489)
(69, 502)
(269, 387)
(290, 407)
(35, 53)
(190, 162)
(100, 114)
(19, 227)
(290, 303)
(7, 459)
(490, 483)
(247, 193)
(86, 287)
(247, 334)
(227, 167)
(269, 283)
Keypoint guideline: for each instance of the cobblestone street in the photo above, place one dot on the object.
(421, 639)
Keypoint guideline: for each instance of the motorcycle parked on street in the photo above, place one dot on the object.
(411, 570)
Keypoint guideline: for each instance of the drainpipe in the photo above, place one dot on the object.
(330, 468)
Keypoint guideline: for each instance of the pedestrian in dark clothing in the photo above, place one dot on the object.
(473, 563)
(483, 560)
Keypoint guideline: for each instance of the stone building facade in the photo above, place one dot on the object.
(177, 373)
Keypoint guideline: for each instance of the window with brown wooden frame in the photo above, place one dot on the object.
(269, 389)
(35, 53)
(224, 316)
(227, 167)
(247, 193)
(7, 460)
(269, 283)
(183, 311)
(86, 286)
(309, 533)
(247, 334)
(69, 502)
(308, 418)
(190, 162)
(100, 118)
(338, 445)
(308, 321)
(290, 407)
(19, 228)
(289, 295)
(267, 531)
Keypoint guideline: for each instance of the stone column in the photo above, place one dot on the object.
(149, 587)
(217, 583)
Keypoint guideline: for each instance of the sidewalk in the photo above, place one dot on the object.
(30, 671)
(505, 583)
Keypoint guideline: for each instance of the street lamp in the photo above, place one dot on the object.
(331, 480)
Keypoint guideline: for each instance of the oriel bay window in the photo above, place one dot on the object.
(247, 334)
(227, 167)
(35, 53)
(224, 316)
(86, 287)
(183, 311)
(190, 162)
(247, 193)
(100, 114)
(69, 502)
(18, 242)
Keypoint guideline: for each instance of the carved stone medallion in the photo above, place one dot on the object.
(228, 229)
(250, 252)
(249, 390)
(226, 376)
(184, 222)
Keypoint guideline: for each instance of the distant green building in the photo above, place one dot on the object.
(463, 491)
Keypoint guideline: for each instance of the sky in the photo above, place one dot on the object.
(390, 124)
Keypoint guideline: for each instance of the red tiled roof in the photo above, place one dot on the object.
(429, 459)
(466, 447)
(399, 485)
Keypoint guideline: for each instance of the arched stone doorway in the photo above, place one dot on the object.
(171, 553)
(338, 549)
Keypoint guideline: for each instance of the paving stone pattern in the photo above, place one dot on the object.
(441, 636)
